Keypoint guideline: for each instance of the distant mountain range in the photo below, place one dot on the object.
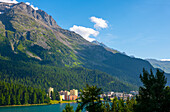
(164, 65)
(31, 37)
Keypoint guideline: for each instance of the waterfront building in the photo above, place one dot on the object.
(50, 90)
(66, 95)
(72, 97)
(74, 92)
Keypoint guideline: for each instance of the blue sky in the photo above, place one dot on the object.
(136, 27)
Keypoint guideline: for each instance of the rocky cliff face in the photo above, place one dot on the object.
(5, 6)
(29, 11)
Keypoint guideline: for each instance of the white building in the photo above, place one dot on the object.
(50, 90)
(118, 94)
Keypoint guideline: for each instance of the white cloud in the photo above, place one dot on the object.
(99, 22)
(9, 1)
(14, 1)
(165, 59)
(35, 8)
(85, 32)
(27, 3)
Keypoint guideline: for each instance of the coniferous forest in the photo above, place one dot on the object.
(45, 76)
(15, 94)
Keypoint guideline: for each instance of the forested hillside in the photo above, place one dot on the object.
(44, 76)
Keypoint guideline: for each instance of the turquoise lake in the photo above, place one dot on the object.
(43, 108)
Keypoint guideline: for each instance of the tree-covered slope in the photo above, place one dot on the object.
(122, 66)
(45, 76)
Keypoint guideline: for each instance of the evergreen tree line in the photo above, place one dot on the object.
(119, 105)
(15, 94)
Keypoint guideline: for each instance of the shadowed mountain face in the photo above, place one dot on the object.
(33, 36)
(164, 65)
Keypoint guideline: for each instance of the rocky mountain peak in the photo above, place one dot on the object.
(28, 10)
(5, 6)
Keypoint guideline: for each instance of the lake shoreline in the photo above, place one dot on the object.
(25, 105)
(51, 103)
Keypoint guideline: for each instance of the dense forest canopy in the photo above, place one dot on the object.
(45, 76)
(15, 94)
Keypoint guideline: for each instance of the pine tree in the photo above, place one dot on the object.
(68, 108)
(107, 106)
(48, 99)
(90, 99)
(2, 99)
(121, 106)
(78, 109)
(53, 96)
(35, 98)
(57, 96)
(42, 98)
(18, 100)
(114, 105)
(9, 100)
(25, 98)
(152, 96)
(129, 104)
(14, 100)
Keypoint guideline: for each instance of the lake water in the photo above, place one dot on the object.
(43, 108)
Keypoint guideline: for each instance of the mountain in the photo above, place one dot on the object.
(106, 47)
(35, 50)
(35, 34)
(164, 65)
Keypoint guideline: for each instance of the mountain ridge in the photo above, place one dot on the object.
(37, 14)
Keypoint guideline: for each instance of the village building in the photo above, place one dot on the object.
(66, 95)
(50, 90)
